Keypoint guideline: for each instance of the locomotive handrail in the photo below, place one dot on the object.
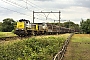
(60, 54)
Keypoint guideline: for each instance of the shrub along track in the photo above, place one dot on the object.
(34, 48)
(78, 48)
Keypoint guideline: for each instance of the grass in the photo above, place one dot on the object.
(6, 34)
(34, 48)
(79, 48)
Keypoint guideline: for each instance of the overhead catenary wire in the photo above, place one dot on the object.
(38, 18)
(55, 15)
(45, 19)
(41, 15)
(46, 16)
(13, 11)
(11, 3)
(35, 5)
(27, 3)
(32, 5)
(16, 4)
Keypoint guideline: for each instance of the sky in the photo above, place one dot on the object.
(73, 10)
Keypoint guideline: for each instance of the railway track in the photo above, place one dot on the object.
(12, 38)
(8, 38)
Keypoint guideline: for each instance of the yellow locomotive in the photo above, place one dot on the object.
(24, 27)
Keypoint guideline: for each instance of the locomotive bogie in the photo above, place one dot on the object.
(20, 32)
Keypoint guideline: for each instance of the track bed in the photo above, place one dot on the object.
(78, 48)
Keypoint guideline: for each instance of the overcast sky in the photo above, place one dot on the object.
(72, 10)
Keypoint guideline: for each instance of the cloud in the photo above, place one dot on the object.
(54, 5)
(70, 9)
(83, 3)
(20, 0)
(43, 0)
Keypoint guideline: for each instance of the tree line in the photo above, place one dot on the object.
(9, 24)
(85, 26)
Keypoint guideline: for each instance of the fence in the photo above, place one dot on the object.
(60, 55)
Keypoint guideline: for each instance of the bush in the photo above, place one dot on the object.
(32, 49)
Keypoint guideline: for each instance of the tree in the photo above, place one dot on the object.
(8, 25)
(61, 24)
(85, 26)
(71, 25)
(0, 26)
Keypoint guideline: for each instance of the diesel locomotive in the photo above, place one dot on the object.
(24, 28)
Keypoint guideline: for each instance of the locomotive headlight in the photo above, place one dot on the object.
(22, 29)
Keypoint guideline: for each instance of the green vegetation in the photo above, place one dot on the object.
(0, 26)
(85, 26)
(71, 25)
(39, 48)
(7, 25)
(6, 34)
(79, 48)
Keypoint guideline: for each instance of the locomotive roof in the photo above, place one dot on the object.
(23, 20)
